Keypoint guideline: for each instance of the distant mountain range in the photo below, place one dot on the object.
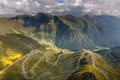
(67, 31)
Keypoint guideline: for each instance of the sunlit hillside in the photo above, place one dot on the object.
(13, 47)
(66, 67)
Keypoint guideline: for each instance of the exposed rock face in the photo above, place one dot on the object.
(84, 76)
(71, 32)
(88, 76)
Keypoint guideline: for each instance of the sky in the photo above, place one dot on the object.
(10, 8)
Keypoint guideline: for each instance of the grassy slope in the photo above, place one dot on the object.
(9, 26)
(107, 67)
(65, 66)
(102, 64)
(14, 46)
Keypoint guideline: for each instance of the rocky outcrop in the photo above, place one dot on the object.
(84, 76)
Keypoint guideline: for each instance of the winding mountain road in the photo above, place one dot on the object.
(32, 69)
(113, 58)
(55, 61)
(33, 52)
(101, 71)
(38, 62)
(93, 63)
(109, 53)
(78, 65)
(48, 60)
(4, 70)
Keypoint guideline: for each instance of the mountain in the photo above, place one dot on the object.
(82, 32)
(46, 47)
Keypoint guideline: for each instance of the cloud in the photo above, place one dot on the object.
(9, 8)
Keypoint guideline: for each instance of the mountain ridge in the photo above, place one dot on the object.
(68, 30)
